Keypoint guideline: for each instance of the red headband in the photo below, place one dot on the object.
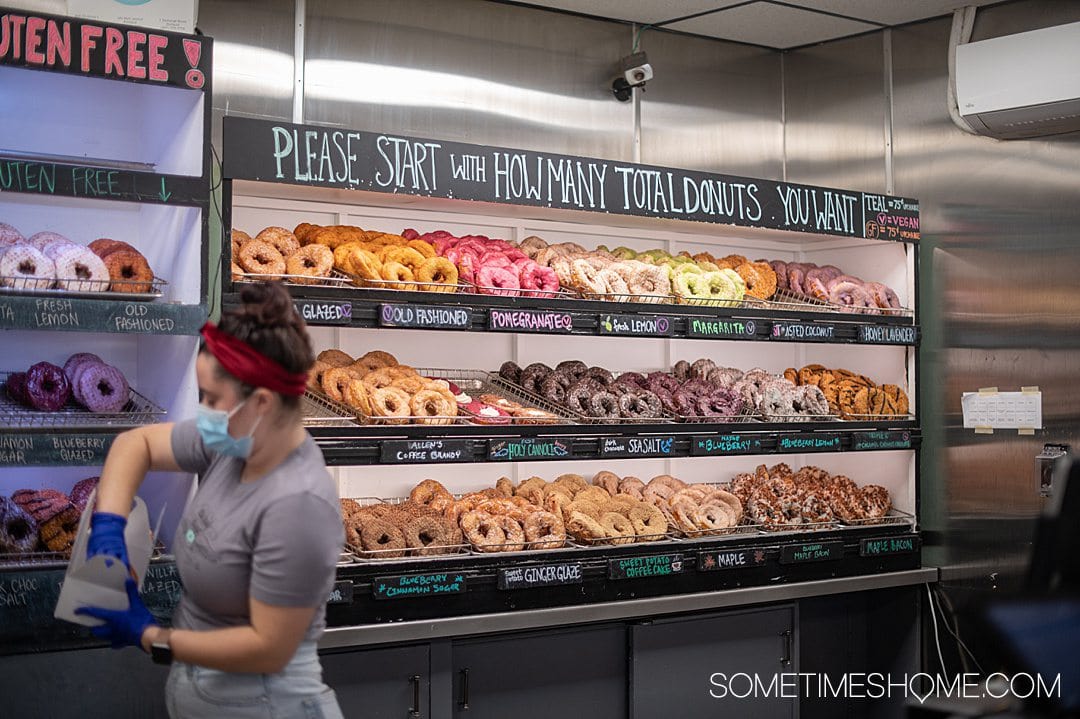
(250, 366)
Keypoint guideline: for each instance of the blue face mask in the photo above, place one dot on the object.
(213, 426)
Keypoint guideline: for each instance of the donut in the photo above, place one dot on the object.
(362, 263)
(27, 268)
(335, 358)
(9, 235)
(492, 280)
(609, 481)
(431, 407)
(129, 272)
(617, 528)
(18, 530)
(76, 359)
(280, 238)
(510, 371)
(643, 405)
(407, 256)
(104, 246)
(411, 384)
(47, 389)
(545, 530)
(650, 280)
(603, 405)
(357, 396)
(307, 264)
(584, 527)
(648, 522)
(533, 375)
(810, 400)
(874, 501)
(579, 393)
(335, 380)
(398, 275)
(383, 538)
(262, 258)
(538, 280)
(554, 387)
(439, 271)
(483, 531)
(504, 486)
(77, 268)
(390, 405)
(377, 359)
(428, 536)
(103, 388)
(777, 402)
(666, 480)
(760, 279)
(632, 487)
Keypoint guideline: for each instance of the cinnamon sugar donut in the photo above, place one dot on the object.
(335, 358)
(382, 537)
(428, 536)
(237, 239)
(545, 530)
(262, 258)
(617, 528)
(307, 265)
(281, 239)
(609, 481)
(584, 527)
(483, 531)
(335, 381)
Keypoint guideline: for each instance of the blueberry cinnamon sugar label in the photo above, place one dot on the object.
(407, 586)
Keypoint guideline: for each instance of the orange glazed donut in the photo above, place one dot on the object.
(334, 382)
(391, 405)
(128, 271)
(335, 358)
(262, 258)
(760, 279)
(308, 264)
(431, 407)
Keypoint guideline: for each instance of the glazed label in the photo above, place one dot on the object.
(803, 332)
(721, 444)
(811, 552)
(544, 575)
(888, 545)
(636, 325)
(809, 442)
(324, 313)
(529, 321)
(527, 449)
(25, 449)
(342, 593)
(102, 50)
(702, 327)
(426, 451)
(417, 585)
(880, 440)
(637, 446)
(431, 317)
(731, 559)
(888, 334)
(43, 178)
(660, 565)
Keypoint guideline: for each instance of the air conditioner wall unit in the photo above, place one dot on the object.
(1023, 85)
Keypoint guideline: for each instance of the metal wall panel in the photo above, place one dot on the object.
(472, 71)
(713, 106)
(834, 109)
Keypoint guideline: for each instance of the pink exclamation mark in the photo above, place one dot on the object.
(193, 51)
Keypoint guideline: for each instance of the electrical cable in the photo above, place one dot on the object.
(938, 594)
(215, 268)
(937, 638)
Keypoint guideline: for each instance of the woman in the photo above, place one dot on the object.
(257, 544)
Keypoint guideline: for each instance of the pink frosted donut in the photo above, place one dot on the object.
(410, 234)
(41, 240)
(539, 278)
(441, 243)
(103, 388)
(9, 235)
(495, 259)
(26, 267)
(497, 281)
(514, 254)
(500, 245)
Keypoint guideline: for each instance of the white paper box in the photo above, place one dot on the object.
(171, 15)
(95, 584)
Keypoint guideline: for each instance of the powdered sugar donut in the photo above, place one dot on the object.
(492, 280)
(9, 235)
(103, 388)
(77, 268)
(26, 267)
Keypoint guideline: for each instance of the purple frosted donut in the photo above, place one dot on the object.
(77, 359)
(15, 386)
(631, 379)
(18, 530)
(662, 380)
(702, 367)
(76, 376)
(80, 493)
(47, 387)
(667, 400)
(721, 403)
(685, 404)
(104, 388)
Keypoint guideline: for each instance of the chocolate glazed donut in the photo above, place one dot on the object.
(555, 385)
(579, 393)
(604, 405)
(533, 375)
(576, 368)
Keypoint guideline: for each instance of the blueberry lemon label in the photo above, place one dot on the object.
(809, 442)
(528, 448)
(636, 325)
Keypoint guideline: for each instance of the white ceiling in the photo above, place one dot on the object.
(778, 24)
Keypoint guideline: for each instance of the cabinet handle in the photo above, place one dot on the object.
(465, 690)
(414, 713)
(789, 640)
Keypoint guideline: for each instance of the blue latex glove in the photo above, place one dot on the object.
(107, 537)
(122, 627)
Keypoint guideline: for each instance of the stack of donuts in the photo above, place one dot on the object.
(492, 266)
(390, 531)
(777, 498)
(491, 408)
(48, 260)
(381, 389)
(95, 385)
(831, 284)
(692, 509)
(33, 520)
(274, 252)
(599, 273)
(382, 258)
(771, 397)
(851, 395)
(592, 392)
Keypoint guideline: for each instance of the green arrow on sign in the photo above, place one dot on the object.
(164, 195)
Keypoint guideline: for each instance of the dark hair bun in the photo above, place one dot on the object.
(268, 321)
(268, 304)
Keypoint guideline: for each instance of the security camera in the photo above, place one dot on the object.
(636, 69)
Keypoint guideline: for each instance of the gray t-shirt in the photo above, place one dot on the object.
(276, 539)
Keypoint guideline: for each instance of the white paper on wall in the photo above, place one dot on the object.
(170, 15)
(1002, 410)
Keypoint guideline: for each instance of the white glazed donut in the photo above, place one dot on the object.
(75, 265)
(41, 240)
(9, 235)
(25, 267)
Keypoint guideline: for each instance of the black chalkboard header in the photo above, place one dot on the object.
(282, 152)
(115, 52)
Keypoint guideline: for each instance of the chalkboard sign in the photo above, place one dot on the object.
(803, 332)
(529, 449)
(161, 590)
(120, 52)
(78, 315)
(730, 559)
(324, 312)
(636, 446)
(27, 601)
(658, 565)
(32, 449)
(888, 334)
(429, 317)
(883, 546)
(542, 321)
(805, 552)
(893, 439)
(720, 329)
(417, 585)
(84, 181)
(342, 593)
(426, 451)
(636, 325)
(283, 152)
(808, 442)
(724, 444)
(543, 575)
(889, 218)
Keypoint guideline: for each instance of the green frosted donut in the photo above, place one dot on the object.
(737, 281)
(707, 266)
(684, 268)
(624, 253)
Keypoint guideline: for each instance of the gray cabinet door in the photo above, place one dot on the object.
(380, 683)
(705, 667)
(567, 673)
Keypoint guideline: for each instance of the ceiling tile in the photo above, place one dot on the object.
(776, 26)
(889, 12)
(640, 11)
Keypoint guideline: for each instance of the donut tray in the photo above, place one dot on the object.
(559, 294)
(477, 382)
(359, 555)
(138, 411)
(577, 416)
(747, 415)
(336, 279)
(795, 418)
(321, 411)
(740, 529)
(623, 541)
(709, 302)
(879, 417)
(786, 299)
(33, 559)
(412, 286)
(892, 518)
(87, 289)
(628, 298)
(799, 527)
